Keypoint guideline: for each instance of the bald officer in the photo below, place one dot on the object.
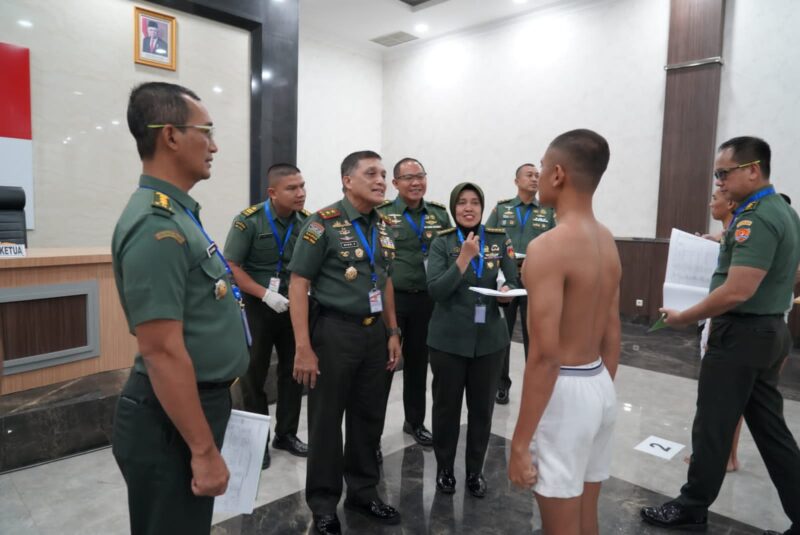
(175, 288)
(523, 218)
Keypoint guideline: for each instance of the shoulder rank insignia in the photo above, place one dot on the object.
(329, 213)
(305, 213)
(751, 206)
(247, 212)
(384, 204)
(172, 234)
(504, 201)
(240, 225)
(437, 204)
(386, 220)
(446, 231)
(492, 230)
(162, 201)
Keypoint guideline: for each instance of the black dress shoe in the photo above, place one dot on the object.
(267, 460)
(674, 516)
(420, 434)
(502, 396)
(476, 485)
(327, 525)
(379, 455)
(446, 481)
(375, 510)
(292, 444)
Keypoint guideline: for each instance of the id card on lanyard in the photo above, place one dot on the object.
(374, 295)
(275, 282)
(480, 308)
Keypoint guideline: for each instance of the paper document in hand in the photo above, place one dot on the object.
(690, 265)
(243, 451)
(495, 293)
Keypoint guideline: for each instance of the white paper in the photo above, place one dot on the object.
(243, 451)
(660, 447)
(519, 256)
(494, 293)
(690, 265)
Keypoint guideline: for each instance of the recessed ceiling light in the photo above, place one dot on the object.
(115, 122)
(520, 1)
(421, 28)
(25, 23)
(79, 93)
(98, 127)
(216, 89)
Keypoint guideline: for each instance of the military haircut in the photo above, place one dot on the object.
(521, 167)
(279, 171)
(396, 170)
(750, 149)
(587, 153)
(156, 103)
(352, 160)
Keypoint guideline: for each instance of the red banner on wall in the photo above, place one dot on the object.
(15, 92)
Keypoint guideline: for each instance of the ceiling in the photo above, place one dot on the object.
(356, 22)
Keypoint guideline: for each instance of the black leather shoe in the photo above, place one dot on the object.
(379, 455)
(674, 516)
(420, 434)
(327, 525)
(267, 460)
(476, 485)
(375, 510)
(292, 444)
(502, 396)
(446, 481)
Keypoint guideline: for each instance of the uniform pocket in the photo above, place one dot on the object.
(213, 267)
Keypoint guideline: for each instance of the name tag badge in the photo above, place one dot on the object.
(375, 301)
(274, 284)
(480, 313)
(211, 250)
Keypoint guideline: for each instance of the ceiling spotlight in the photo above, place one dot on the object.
(421, 28)
(115, 122)
(520, 1)
(216, 89)
(79, 93)
(98, 127)
(25, 23)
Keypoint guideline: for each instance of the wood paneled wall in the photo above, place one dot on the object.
(644, 264)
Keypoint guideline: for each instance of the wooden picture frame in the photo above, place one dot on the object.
(154, 39)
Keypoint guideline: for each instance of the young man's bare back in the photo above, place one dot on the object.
(572, 275)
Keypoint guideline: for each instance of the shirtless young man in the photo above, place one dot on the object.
(572, 274)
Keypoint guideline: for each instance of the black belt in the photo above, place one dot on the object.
(203, 385)
(364, 321)
(410, 292)
(745, 315)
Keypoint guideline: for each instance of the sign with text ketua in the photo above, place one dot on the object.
(11, 250)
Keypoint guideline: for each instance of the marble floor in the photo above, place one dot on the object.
(85, 494)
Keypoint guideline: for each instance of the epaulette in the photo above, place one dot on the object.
(446, 231)
(384, 204)
(750, 207)
(247, 212)
(305, 213)
(492, 230)
(437, 204)
(329, 213)
(385, 219)
(503, 201)
(162, 202)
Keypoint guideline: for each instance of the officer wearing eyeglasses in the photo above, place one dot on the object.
(750, 290)
(415, 223)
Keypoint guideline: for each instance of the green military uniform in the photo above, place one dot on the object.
(253, 245)
(522, 222)
(466, 355)
(349, 339)
(746, 346)
(166, 269)
(414, 306)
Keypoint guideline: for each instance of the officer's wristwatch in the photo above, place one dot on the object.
(395, 331)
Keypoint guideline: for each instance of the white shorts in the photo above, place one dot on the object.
(572, 444)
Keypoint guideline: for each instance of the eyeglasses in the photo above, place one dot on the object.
(409, 178)
(722, 174)
(207, 129)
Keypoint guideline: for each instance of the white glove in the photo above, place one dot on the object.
(276, 301)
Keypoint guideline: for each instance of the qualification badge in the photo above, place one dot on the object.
(359, 253)
(350, 273)
(220, 289)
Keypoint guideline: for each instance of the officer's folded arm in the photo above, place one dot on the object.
(171, 373)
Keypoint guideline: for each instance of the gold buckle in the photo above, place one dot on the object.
(366, 322)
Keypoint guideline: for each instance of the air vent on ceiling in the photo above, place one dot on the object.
(394, 39)
(416, 5)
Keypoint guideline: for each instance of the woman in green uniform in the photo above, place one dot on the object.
(467, 335)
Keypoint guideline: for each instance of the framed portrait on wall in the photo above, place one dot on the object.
(154, 41)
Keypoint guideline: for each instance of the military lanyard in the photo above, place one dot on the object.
(752, 198)
(477, 266)
(417, 228)
(523, 220)
(281, 245)
(369, 247)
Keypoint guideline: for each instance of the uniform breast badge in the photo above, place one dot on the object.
(350, 273)
(220, 289)
(359, 253)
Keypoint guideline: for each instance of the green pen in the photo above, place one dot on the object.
(659, 324)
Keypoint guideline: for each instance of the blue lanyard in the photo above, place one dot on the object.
(477, 266)
(417, 229)
(369, 247)
(281, 246)
(752, 198)
(523, 220)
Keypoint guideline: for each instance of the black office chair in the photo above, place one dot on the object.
(12, 215)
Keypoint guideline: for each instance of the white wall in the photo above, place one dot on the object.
(86, 46)
(476, 105)
(339, 112)
(760, 81)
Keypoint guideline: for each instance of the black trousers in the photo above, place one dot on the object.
(413, 315)
(452, 376)
(156, 462)
(517, 304)
(739, 376)
(270, 329)
(352, 383)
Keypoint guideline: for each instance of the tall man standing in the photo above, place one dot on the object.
(523, 218)
(343, 355)
(176, 291)
(415, 222)
(259, 248)
(750, 291)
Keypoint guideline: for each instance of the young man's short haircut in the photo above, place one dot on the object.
(278, 171)
(521, 167)
(587, 153)
(156, 103)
